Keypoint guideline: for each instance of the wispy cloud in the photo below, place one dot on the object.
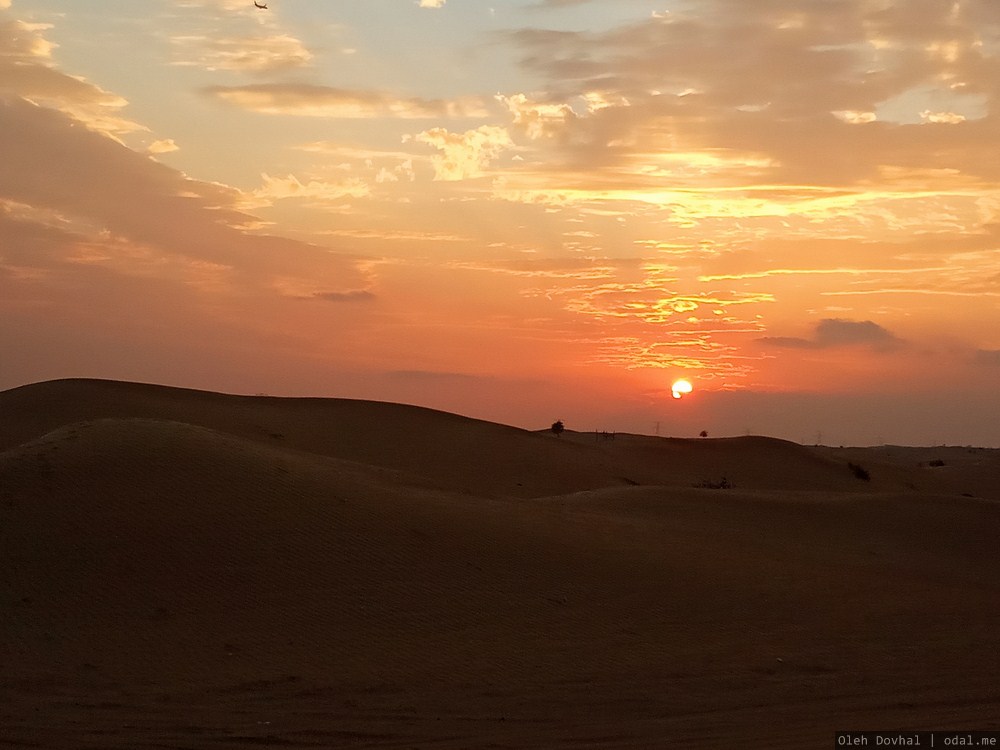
(546, 4)
(320, 191)
(358, 295)
(309, 100)
(550, 268)
(248, 54)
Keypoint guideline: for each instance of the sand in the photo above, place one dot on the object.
(183, 569)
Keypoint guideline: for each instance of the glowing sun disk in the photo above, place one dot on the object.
(680, 387)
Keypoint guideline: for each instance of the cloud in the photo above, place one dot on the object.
(827, 94)
(538, 119)
(549, 4)
(551, 268)
(948, 118)
(465, 155)
(164, 146)
(100, 188)
(394, 235)
(258, 54)
(352, 153)
(357, 295)
(831, 333)
(221, 5)
(432, 3)
(307, 100)
(283, 188)
(26, 71)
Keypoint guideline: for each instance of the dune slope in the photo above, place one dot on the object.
(166, 583)
(454, 452)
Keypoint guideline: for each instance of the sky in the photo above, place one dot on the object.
(516, 210)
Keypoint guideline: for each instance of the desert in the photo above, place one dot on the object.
(451, 374)
(190, 569)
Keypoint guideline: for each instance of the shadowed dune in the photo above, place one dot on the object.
(175, 575)
(455, 452)
(451, 451)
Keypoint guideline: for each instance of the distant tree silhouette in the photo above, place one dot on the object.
(703, 433)
(558, 427)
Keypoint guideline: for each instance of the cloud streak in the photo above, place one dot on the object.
(257, 55)
(310, 100)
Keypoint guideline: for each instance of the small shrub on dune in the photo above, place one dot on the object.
(722, 484)
(860, 472)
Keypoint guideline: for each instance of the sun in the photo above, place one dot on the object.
(681, 387)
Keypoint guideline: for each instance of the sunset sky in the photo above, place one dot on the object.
(518, 210)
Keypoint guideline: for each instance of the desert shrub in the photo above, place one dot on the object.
(860, 472)
(936, 462)
(722, 484)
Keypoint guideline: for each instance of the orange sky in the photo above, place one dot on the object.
(521, 211)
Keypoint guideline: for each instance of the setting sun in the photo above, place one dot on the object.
(681, 387)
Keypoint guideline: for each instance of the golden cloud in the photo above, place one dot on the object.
(306, 100)
(465, 155)
(26, 71)
(261, 54)
(290, 187)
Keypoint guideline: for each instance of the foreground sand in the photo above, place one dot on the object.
(185, 570)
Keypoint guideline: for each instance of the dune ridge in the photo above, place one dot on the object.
(185, 569)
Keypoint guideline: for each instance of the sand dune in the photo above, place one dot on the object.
(185, 569)
(455, 452)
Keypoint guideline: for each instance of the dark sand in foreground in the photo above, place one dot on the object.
(184, 569)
